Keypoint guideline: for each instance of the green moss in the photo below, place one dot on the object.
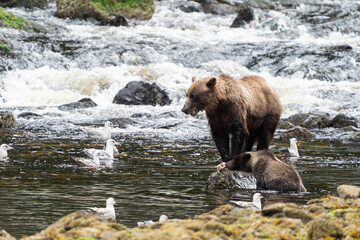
(86, 238)
(129, 8)
(4, 47)
(10, 20)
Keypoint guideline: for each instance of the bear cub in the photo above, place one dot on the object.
(246, 108)
(270, 172)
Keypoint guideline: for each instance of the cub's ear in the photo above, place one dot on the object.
(211, 83)
(245, 157)
(193, 78)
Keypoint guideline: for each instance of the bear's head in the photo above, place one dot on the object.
(241, 162)
(200, 96)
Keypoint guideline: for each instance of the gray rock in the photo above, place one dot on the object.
(29, 115)
(7, 120)
(298, 119)
(244, 16)
(142, 93)
(285, 124)
(82, 103)
(348, 191)
(227, 179)
(315, 121)
(298, 133)
(341, 121)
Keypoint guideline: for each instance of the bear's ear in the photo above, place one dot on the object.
(211, 83)
(246, 157)
(193, 78)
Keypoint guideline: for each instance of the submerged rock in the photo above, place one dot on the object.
(227, 179)
(104, 11)
(142, 93)
(29, 115)
(7, 120)
(82, 103)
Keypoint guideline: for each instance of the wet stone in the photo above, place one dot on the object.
(341, 120)
(227, 179)
(82, 103)
(298, 133)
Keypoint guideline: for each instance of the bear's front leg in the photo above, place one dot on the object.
(221, 139)
(239, 137)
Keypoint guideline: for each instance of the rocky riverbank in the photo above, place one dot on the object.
(328, 217)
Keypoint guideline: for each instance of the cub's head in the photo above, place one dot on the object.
(241, 162)
(200, 96)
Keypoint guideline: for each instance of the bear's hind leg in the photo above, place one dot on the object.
(266, 132)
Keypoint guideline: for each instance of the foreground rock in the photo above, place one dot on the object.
(328, 217)
(142, 93)
(106, 12)
(7, 120)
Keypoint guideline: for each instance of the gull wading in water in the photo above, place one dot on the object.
(108, 153)
(108, 212)
(255, 204)
(292, 151)
(95, 162)
(104, 133)
(3, 151)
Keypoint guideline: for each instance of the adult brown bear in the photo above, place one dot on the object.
(270, 172)
(247, 108)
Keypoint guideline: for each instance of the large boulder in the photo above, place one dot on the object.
(7, 120)
(25, 3)
(142, 93)
(107, 12)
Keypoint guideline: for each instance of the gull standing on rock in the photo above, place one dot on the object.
(292, 151)
(95, 162)
(255, 204)
(104, 133)
(108, 153)
(108, 212)
(3, 151)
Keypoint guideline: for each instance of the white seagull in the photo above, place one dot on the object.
(108, 153)
(95, 162)
(3, 151)
(293, 150)
(162, 218)
(255, 204)
(104, 133)
(108, 212)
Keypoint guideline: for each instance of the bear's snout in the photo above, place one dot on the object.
(184, 110)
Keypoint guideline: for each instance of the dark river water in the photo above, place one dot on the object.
(309, 51)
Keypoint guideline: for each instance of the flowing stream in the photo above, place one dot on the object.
(309, 51)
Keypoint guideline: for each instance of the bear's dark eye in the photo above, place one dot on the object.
(191, 96)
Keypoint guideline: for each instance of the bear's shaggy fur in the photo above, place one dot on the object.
(270, 172)
(247, 108)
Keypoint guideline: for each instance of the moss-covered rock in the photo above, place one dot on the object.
(24, 3)
(340, 220)
(10, 20)
(103, 10)
(7, 120)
